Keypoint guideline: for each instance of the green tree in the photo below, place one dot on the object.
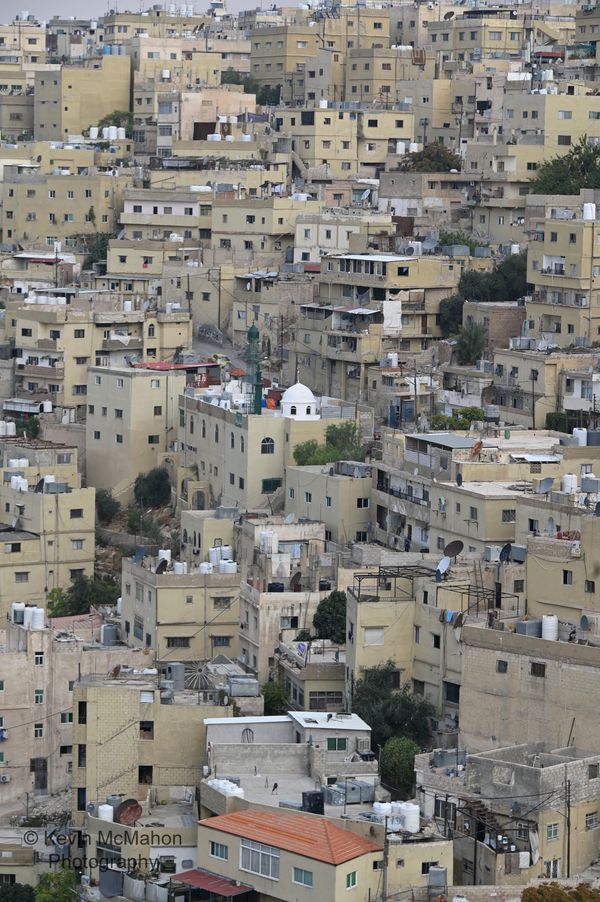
(433, 158)
(107, 507)
(397, 764)
(120, 118)
(16, 892)
(447, 237)
(471, 343)
(96, 246)
(83, 593)
(451, 315)
(57, 886)
(276, 700)
(506, 282)
(153, 489)
(569, 173)
(330, 618)
(388, 711)
(142, 524)
(342, 442)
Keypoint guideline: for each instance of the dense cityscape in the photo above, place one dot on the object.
(299, 353)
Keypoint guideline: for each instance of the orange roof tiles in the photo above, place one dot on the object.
(309, 835)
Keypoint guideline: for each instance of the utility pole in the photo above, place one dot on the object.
(386, 861)
(568, 803)
(533, 381)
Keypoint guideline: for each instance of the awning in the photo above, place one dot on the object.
(537, 458)
(211, 883)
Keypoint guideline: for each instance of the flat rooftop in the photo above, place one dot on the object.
(491, 489)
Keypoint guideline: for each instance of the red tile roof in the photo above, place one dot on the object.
(310, 835)
(210, 882)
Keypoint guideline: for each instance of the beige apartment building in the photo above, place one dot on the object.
(312, 674)
(255, 232)
(160, 213)
(135, 739)
(328, 231)
(432, 200)
(269, 301)
(338, 143)
(238, 457)
(368, 304)
(56, 342)
(67, 100)
(48, 521)
(38, 668)
(338, 495)
(23, 41)
(376, 75)
(182, 617)
(47, 208)
(131, 438)
(564, 309)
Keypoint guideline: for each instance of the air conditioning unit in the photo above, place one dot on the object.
(491, 553)
(4, 778)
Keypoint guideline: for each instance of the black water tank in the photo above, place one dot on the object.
(275, 587)
(313, 802)
(324, 585)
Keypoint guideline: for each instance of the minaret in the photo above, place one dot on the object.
(254, 377)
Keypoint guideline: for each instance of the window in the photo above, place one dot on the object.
(178, 642)
(66, 717)
(82, 713)
(451, 692)
(563, 140)
(509, 515)
(473, 513)
(153, 439)
(304, 878)
(38, 658)
(22, 576)
(435, 640)
(38, 730)
(337, 744)
(259, 859)
(362, 502)
(374, 635)
(38, 697)
(537, 669)
(76, 513)
(351, 880)
(519, 585)
(593, 771)
(567, 577)
(219, 850)
(221, 641)
(551, 831)
(267, 446)
(308, 497)
(501, 666)
(270, 485)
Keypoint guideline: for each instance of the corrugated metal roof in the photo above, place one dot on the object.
(210, 882)
(311, 836)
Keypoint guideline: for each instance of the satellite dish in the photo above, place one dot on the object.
(39, 487)
(90, 808)
(544, 485)
(477, 448)
(584, 623)
(448, 15)
(128, 812)
(409, 251)
(453, 549)
(505, 553)
(443, 565)
(597, 509)
(459, 479)
(161, 566)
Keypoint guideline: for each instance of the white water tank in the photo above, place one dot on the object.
(206, 567)
(105, 812)
(2, 428)
(11, 428)
(49, 478)
(400, 148)
(121, 133)
(229, 138)
(112, 132)
(214, 137)
(47, 406)
(411, 815)
(515, 249)
(568, 483)
(28, 616)
(323, 104)
(589, 212)
(383, 809)
(165, 74)
(178, 568)
(227, 552)
(105, 133)
(392, 358)
(246, 137)
(94, 133)
(230, 567)
(214, 555)
(232, 120)
(413, 148)
(581, 436)
(164, 554)
(550, 627)
(127, 306)
(17, 610)
(38, 619)
(222, 564)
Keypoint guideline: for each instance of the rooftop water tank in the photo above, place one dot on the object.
(550, 627)
(589, 212)
(581, 436)
(38, 619)
(94, 133)
(105, 812)
(109, 634)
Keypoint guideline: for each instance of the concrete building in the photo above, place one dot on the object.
(312, 674)
(39, 665)
(339, 495)
(67, 101)
(188, 616)
(159, 213)
(238, 456)
(328, 231)
(48, 530)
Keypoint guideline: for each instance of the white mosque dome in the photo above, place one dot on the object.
(299, 402)
(298, 394)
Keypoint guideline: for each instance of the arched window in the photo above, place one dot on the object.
(308, 410)
(293, 410)
(267, 446)
(151, 330)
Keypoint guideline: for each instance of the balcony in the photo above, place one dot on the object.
(126, 343)
(44, 372)
(47, 344)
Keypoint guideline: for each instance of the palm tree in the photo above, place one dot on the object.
(470, 343)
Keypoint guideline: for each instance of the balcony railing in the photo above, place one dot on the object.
(398, 493)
